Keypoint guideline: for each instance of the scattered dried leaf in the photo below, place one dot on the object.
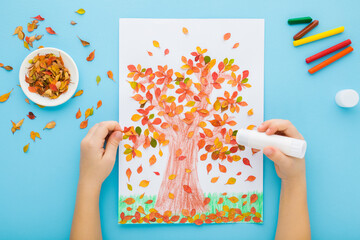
(83, 42)
(99, 104)
(84, 124)
(91, 56)
(80, 11)
(78, 114)
(34, 135)
(5, 96)
(110, 75)
(31, 115)
(26, 148)
(50, 30)
(78, 93)
(50, 125)
(73, 23)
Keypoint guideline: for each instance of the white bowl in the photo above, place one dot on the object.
(69, 64)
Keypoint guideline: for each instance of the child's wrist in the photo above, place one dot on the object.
(89, 184)
(294, 182)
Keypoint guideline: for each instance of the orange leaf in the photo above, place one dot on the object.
(110, 75)
(84, 124)
(221, 200)
(250, 112)
(26, 148)
(144, 183)
(84, 43)
(206, 201)
(5, 97)
(50, 30)
(142, 195)
(171, 196)
(129, 201)
(78, 114)
(244, 203)
(250, 127)
(253, 198)
(187, 189)
(50, 125)
(148, 201)
(78, 93)
(214, 179)
(235, 45)
(150, 53)
(250, 178)
(91, 56)
(227, 36)
(178, 152)
(128, 173)
(152, 160)
(231, 181)
(222, 168)
(185, 30)
(208, 168)
(156, 44)
(136, 117)
(233, 199)
(99, 104)
(139, 170)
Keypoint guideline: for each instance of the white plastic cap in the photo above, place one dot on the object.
(347, 98)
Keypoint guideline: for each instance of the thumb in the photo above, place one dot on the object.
(276, 156)
(112, 145)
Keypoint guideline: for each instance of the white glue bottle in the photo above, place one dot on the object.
(259, 140)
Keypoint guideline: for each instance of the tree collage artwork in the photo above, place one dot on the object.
(186, 86)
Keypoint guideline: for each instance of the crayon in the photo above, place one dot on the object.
(307, 29)
(328, 51)
(293, 21)
(318, 36)
(331, 60)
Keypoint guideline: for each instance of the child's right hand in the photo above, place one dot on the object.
(289, 169)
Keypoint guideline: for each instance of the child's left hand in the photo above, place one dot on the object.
(96, 163)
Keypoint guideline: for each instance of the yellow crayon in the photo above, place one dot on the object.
(318, 36)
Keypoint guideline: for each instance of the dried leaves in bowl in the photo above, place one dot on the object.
(48, 76)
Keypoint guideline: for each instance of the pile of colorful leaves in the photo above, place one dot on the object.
(48, 76)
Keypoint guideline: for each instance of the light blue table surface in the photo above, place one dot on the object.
(37, 189)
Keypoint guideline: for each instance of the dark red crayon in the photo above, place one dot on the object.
(328, 51)
(307, 29)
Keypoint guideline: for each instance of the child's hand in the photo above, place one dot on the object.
(96, 162)
(289, 169)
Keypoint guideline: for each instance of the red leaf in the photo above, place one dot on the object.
(253, 198)
(214, 76)
(166, 52)
(182, 158)
(238, 174)
(250, 178)
(157, 173)
(50, 30)
(156, 121)
(38, 17)
(206, 201)
(187, 189)
(222, 168)
(221, 66)
(31, 116)
(227, 36)
(246, 162)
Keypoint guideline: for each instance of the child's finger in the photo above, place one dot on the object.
(275, 125)
(104, 128)
(112, 145)
(277, 156)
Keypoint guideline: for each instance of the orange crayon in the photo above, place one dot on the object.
(331, 60)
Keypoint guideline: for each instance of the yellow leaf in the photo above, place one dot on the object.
(190, 104)
(171, 196)
(250, 127)
(81, 11)
(34, 135)
(172, 176)
(160, 153)
(156, 44)
(144, 183)
(188, 170)
(217, 105)
(137, 153)
(202, 124)
(128, 157)
(191, 134)
(136, 117)
(26, 147)
(250, 112)
(140, 209)
(231, 181)
(129, 187)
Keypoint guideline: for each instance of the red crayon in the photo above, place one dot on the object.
(328, 51)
